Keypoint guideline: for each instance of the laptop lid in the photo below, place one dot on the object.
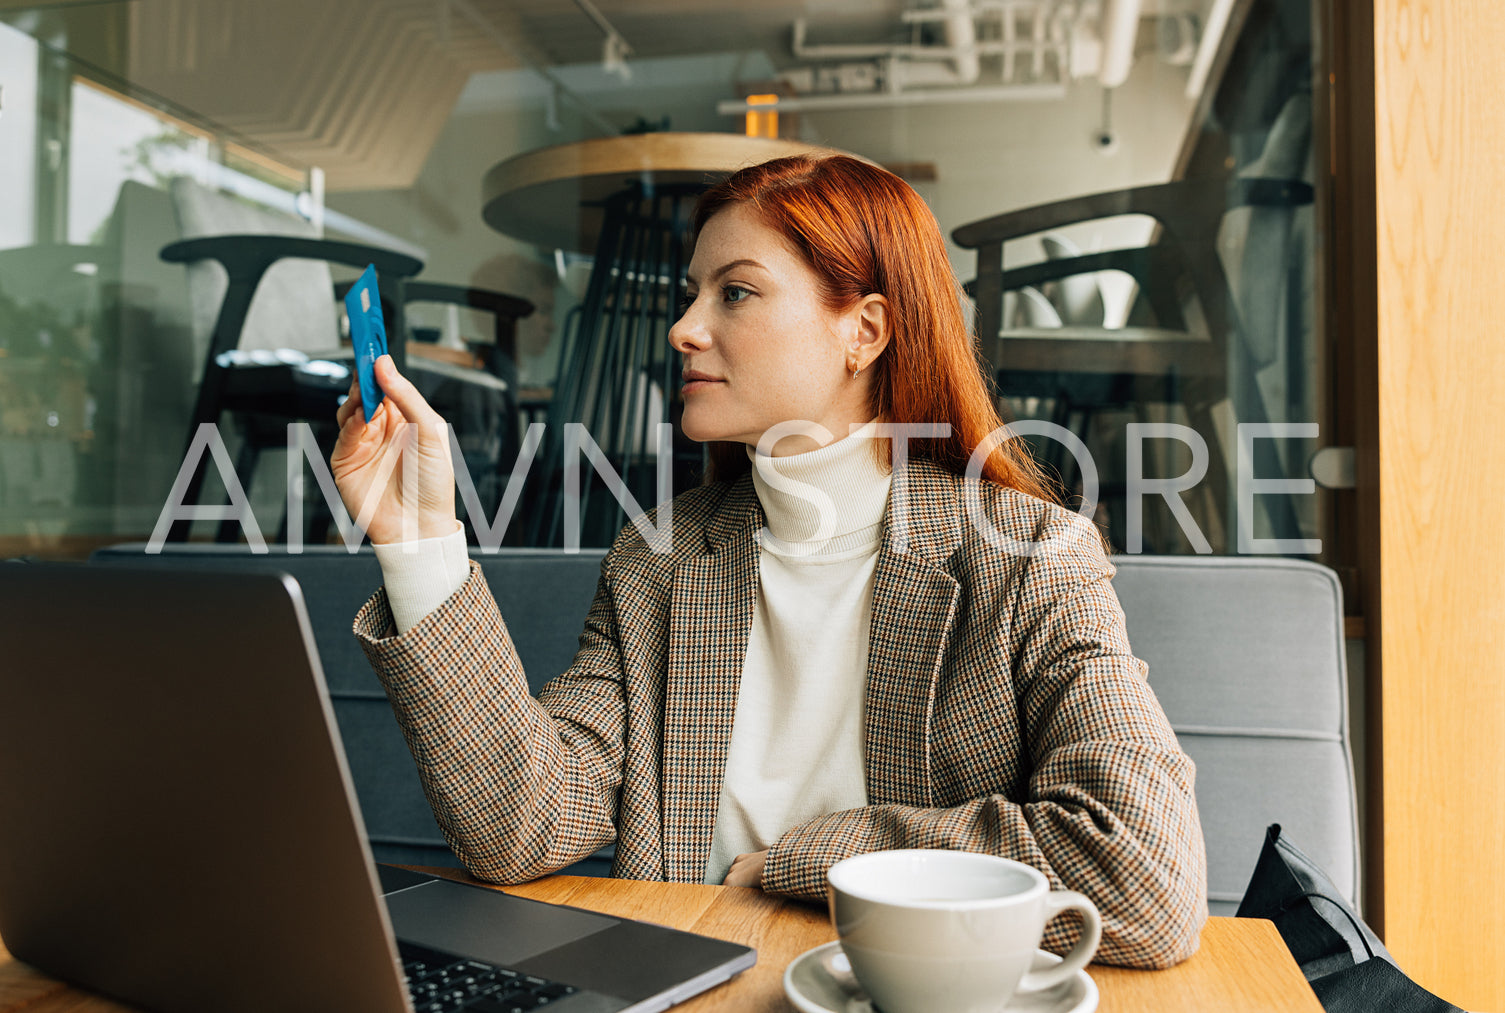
(177, 826)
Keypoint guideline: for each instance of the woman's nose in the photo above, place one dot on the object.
(688, 333)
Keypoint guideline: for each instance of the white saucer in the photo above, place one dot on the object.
(812, 989)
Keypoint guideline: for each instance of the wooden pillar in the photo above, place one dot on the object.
(1439, 127)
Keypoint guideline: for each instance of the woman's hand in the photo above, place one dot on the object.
(747, 870)
(400, 459)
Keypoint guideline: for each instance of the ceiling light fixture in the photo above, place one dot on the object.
(614, 48)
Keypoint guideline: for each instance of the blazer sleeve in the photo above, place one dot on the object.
(1109, 809)
(518, 790)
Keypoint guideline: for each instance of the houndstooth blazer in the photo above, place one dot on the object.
(1005, 713)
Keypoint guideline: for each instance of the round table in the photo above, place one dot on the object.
(555, 197)
(628, 199)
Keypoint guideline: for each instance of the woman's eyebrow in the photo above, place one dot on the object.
(724, 268)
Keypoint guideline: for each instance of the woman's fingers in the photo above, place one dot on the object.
(379, 459)
(351, 404)
(353, 442)
(747, 870)
(404, 395)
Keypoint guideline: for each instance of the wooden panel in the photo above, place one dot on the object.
(1353, 549)
(1439, 159)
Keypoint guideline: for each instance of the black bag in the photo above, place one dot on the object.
(1347, 965)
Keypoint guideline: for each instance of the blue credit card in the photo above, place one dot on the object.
(368, 335)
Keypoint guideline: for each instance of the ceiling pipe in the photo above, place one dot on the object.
(960, 34)
(1212, 35)
(836, 51)
(878, 99)
(950, 67)
(913, 65)
(1119, 26)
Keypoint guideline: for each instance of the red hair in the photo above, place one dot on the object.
(863, 230)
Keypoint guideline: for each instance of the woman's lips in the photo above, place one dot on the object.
(698, 381)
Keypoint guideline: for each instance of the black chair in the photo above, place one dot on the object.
(1159, 357)
(265, 392)
(274, 356)
(486, 417)
(544, 595)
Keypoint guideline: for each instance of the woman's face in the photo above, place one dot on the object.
(759, 345)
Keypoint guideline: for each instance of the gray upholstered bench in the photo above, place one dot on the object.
(544, 595)
(1246, 655)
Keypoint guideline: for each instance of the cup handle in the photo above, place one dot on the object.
(1081, 954)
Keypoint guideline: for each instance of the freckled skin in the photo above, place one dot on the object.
(756, 323)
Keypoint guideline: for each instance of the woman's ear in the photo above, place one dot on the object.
(871, 333)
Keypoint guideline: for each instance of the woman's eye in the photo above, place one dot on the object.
(734, 293)
(685, 302)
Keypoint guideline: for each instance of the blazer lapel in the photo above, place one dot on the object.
(914, 609)
(710, 621)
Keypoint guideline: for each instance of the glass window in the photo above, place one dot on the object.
(111, 141)
(18, 137)
(1129, 200)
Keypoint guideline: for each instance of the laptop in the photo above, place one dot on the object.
(178, 828)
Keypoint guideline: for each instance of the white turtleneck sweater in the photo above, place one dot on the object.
(796, 747)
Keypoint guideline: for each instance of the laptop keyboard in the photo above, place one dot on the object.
(440, 982)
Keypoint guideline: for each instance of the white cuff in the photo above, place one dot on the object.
(422, 574)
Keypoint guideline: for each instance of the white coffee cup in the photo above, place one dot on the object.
(932, 931)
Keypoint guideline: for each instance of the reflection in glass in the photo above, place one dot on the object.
(1098, 320)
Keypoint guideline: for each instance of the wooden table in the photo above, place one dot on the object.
(554, 196)
(1243, 964)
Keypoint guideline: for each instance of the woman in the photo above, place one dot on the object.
(834, 655)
